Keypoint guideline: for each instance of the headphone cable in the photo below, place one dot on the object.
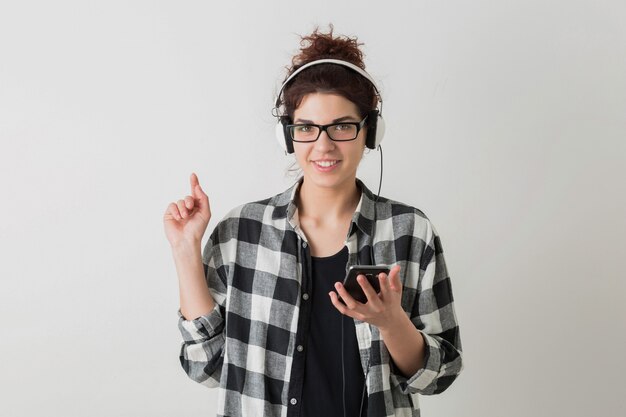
(343, 370)
(380, 184)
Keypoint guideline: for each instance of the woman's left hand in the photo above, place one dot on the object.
(381, 310)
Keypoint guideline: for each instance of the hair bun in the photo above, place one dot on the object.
(320, 45)
(328, 78)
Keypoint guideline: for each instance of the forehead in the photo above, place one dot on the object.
(325, 107)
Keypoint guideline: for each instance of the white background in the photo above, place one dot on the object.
(506, 126)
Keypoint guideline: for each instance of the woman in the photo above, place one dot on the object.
(263, 312)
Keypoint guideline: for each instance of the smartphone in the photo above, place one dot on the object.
(371, 273)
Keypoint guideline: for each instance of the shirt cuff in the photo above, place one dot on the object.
(201, 328)
(429, 371)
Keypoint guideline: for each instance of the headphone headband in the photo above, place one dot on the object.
(327, 61)
(376, 124)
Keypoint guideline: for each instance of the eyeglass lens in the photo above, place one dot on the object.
(340, 131)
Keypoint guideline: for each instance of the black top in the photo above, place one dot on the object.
(322, 393)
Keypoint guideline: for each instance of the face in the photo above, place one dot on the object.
(344, 157)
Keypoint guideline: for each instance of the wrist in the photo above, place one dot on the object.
(397, 323)
(186, 245)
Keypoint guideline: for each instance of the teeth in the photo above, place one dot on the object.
(326, 164)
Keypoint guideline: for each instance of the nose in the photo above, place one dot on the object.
(324, 142)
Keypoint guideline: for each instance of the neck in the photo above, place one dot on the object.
(316, 202)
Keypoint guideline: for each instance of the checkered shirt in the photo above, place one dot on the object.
(257, 265)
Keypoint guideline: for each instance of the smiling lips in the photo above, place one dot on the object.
(326, 163)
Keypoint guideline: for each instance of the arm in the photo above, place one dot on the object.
(404, 342)
(195, 299)
(406, 345)
(434, 317)
(201, 316)
(424, 342)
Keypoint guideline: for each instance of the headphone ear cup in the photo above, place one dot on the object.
(375, 129)
(380, 130)
(282, 134)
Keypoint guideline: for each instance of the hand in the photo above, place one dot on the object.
(382, 310)
(187, 219)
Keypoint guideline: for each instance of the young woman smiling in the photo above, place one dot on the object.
(260, 313)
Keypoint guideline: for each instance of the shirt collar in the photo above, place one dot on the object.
(285, 207)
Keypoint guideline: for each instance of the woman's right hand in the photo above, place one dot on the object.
(186, 220)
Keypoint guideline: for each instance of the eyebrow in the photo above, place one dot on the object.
(341, 119)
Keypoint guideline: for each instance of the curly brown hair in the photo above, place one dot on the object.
(328, 78)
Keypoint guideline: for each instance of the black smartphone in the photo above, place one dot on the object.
(371, 273)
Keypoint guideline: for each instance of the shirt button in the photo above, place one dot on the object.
(300, 348)
(293, 401)
(305, 296)
(304, 244)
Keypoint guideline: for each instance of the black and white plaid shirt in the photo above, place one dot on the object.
(257, 263)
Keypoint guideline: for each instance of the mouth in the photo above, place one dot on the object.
(326, 165)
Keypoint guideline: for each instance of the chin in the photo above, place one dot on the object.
(326, 181)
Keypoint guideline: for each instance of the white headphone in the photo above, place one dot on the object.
(376, 124)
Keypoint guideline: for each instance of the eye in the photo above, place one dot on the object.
(343, 127)
(303, 128)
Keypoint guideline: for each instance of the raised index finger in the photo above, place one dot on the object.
(193, 179)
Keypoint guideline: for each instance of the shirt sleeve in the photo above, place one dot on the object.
(202, 347)
(434, 316)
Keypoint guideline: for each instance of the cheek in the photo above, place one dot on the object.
(301, 154)
(360, 151)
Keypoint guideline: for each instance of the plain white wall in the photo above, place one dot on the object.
(506, 126)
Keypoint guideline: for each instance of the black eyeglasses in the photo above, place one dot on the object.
(339, 132)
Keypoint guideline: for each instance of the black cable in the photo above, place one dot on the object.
(343, 371)
(363, 393)
(380, 184)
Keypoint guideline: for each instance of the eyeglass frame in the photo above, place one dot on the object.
(323, 128)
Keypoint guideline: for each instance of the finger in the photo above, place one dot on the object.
(203, 202)
(196, 189)
(189, 202)
(199, 194)
(369, 291)
(350, 302)
(394, 279)
(384, 283)
(193, 180)
(334, 298)
(182, 209)
(338, 304)
(172, 210)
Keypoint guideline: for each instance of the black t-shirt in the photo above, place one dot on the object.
(322, 391)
